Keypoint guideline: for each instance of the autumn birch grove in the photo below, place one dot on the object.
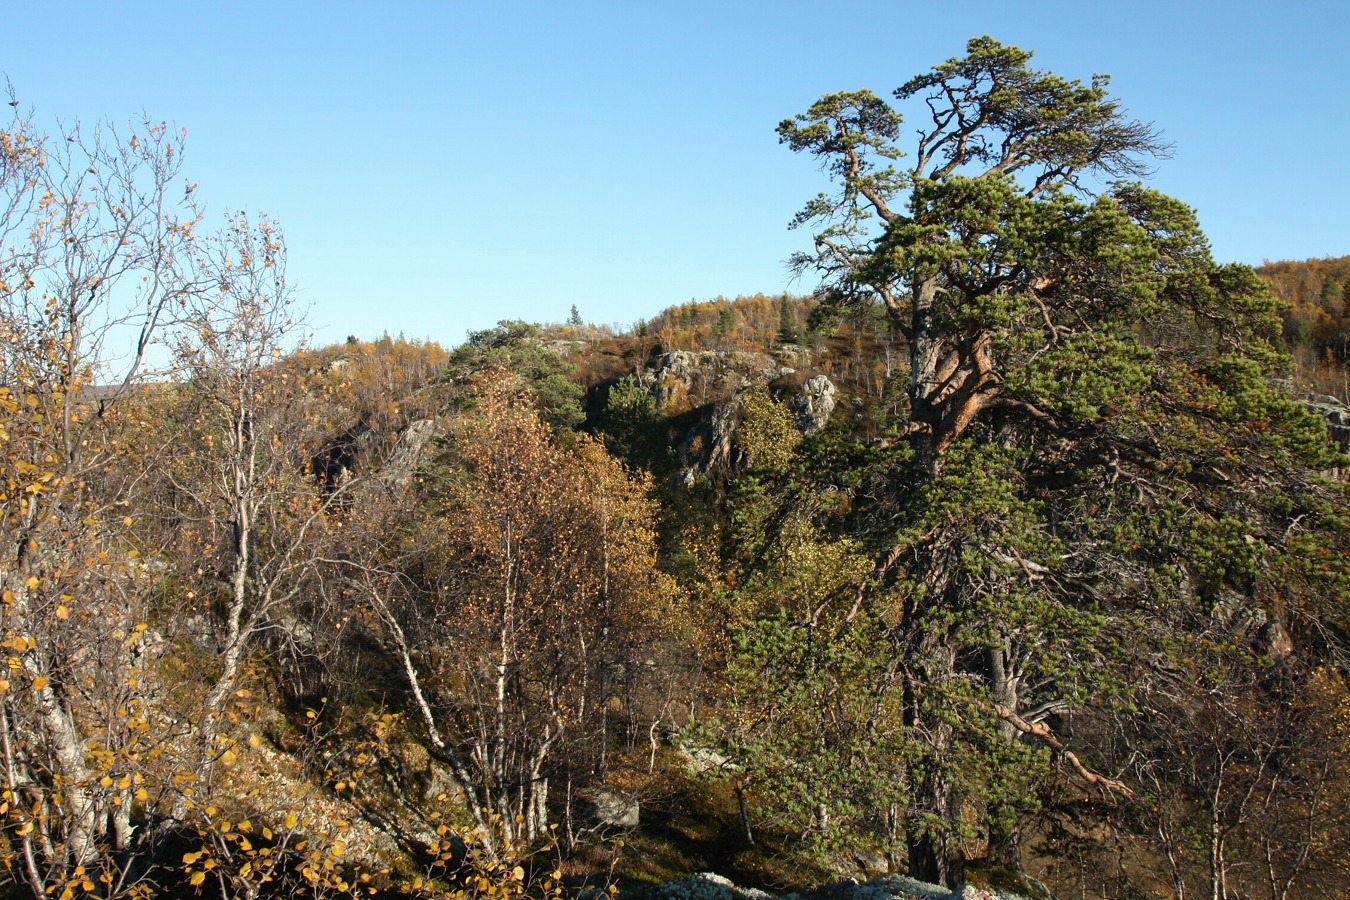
(1012, 557)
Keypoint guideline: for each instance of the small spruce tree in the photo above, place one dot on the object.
(787, 323)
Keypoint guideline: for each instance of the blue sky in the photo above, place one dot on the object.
(440, 166)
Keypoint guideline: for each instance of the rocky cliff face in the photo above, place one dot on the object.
(1337, 415)
(402, 463)
(695, 378)
(713, 385)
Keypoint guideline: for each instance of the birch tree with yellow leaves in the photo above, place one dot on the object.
(527, 588)
(95, 249)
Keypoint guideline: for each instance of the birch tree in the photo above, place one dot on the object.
(524, 593)
(96, 238)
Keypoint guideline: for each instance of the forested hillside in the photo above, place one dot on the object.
(1313, 294)
(1014, 555)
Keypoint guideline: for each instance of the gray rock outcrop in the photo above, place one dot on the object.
(1244, 620)
(721, 435)
(710, 886)
(703, 374)
(793, 356)
(1337, 415)
(611, 808)
(407, 454)
(704, 886)
(814, 404)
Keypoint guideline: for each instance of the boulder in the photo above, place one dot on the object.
(721, 431)
(887, 887)
(1243, 619)
(700, 760)
(871, 862)
(565, 349)
(440, 782)
(612, 808)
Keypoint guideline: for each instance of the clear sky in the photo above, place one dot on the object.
(439, 166)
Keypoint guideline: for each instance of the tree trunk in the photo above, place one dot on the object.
(935, 851)
(935, 859)
(745, 815)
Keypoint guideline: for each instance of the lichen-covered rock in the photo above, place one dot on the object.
(793, 356)
(563, 348)
(407, 455)
(440, 782)
(612, 808)
(721, 435)
(1245, 620)
(1337, 415)
(694, 378)
(814, 404)
(705, 886)
(967, 892)
(870, 862)
(1273, 642)
(708, 886)
(702, 760)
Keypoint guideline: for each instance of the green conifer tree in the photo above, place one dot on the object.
(1082, 374)
(787, 322)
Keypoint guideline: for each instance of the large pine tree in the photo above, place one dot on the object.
(1093, 454)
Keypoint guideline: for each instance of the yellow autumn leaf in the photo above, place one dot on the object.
(63, 612)
(39, 683)
(291, 820)
(228, 758)
(197, 878)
